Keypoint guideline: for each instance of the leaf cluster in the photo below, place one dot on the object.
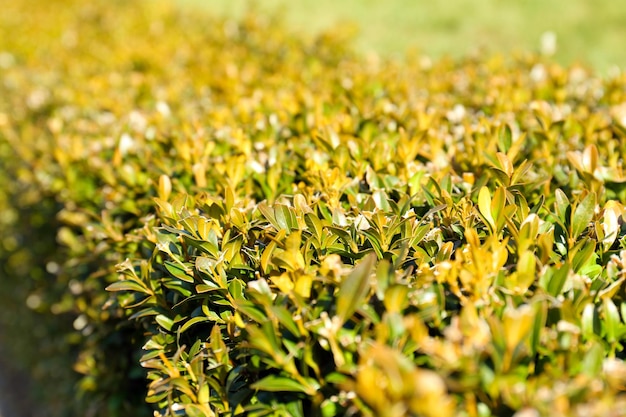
(286, 228)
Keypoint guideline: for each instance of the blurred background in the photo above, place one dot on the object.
(586, 31)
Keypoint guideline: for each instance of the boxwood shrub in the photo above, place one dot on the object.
(212, 217)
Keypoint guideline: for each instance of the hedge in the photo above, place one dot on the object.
(212, 217)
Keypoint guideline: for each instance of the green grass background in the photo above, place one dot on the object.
(588, 31)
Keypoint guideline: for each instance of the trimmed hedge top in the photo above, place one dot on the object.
(302, 231)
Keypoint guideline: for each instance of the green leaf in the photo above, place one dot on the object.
(434, 210)
(164, 322)
(558, 279)
(207, 286)
(561, 205)
(249, 309)
(236, 289)
(148, 311)
(611, 320)
(275, 383)
(354, 288)
(281, 214)
(315, 225)
(381, 200)
(505, 138)
(264, 339)
(218, 346)
(191, 322)
(589, 321)
(519, 173)
(285, 318)
(583, 215)
(592, 363)
(497, 206)
(286, 217)
(374, 240)
(612, 289)
(541, 315)
(268, 213)
(260, 290)
(204, 246)
(178, 271)
(129, 285)
(583, 256)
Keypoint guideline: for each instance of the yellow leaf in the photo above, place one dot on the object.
(283, 282)
(517, 323)
(484, 206)
(165, 187)
(303, 285)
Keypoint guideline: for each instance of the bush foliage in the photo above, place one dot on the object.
(226, 219)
